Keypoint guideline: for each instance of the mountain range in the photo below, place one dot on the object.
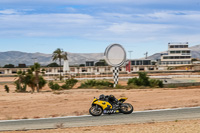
(17, 57)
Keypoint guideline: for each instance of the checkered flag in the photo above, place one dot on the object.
(115, 75)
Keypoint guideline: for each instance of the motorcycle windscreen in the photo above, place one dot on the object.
(122, 99)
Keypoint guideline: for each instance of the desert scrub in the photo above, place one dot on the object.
(7, 89)
(69, 83)
(54, 86)
(155, 83)
(144, 80)
(96, 83)
(20, 88)
(118, 86)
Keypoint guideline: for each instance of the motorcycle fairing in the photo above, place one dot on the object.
(103, 104)
(123, 99)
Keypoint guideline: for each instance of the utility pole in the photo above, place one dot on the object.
(146, 54)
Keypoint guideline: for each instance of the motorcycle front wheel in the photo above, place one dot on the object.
(127, 108)
(96, 110)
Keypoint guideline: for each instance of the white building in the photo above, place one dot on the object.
(178, 54)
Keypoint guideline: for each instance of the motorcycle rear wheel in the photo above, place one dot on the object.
(96, 110)
(128, 109)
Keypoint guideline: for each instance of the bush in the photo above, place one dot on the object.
(96, 83)
(19, 87)
(65, 86)
(71, 82)
(6, 88)
(133, 81)
(42, 82)
(154, 83)
(54, 86)
(144, 80)
(120, 87)
(160, 84)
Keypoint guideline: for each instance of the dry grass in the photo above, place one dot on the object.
(60, 125)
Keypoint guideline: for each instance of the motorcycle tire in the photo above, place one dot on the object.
(124, 111)
(96, 110)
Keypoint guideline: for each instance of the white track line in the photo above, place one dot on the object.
(167, 109)
(90, 115)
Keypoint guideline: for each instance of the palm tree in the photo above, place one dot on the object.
(59, 54)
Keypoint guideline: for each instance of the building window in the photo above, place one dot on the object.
(176, 57)
(84, 70)
(178, 46)
(141, 68)
(131, 68)
(151, 68)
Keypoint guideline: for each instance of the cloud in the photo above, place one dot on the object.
(172, 16)
(104, 26)
(8, 11)
(138, 28)
(45, 25)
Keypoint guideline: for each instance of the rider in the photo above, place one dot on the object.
(109, 98)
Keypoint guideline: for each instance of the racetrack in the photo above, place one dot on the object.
(81, 121)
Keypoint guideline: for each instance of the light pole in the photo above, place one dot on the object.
(34, 60)
(130, 52)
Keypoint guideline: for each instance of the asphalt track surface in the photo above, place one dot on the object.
(114, 119)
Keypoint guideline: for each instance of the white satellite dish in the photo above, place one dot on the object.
(115, 55)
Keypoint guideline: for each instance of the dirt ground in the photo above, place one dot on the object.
(186, 126)
(78, 101)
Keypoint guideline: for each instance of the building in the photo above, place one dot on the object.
(141, 62)
(89, 63)
(22, 65)
(140, 65)
(177, 54)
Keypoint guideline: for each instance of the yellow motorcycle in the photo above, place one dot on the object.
(110, 105)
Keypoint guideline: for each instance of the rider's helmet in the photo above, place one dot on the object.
(102, 96)
(111, 98)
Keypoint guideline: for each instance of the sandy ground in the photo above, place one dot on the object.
(78, 101)
(186, 126)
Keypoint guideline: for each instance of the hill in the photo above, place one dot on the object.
(17, 57)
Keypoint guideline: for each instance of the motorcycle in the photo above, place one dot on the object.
(110, 105)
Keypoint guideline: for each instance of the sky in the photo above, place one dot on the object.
(89, 26)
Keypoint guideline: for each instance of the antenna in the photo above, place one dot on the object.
(146, 54)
